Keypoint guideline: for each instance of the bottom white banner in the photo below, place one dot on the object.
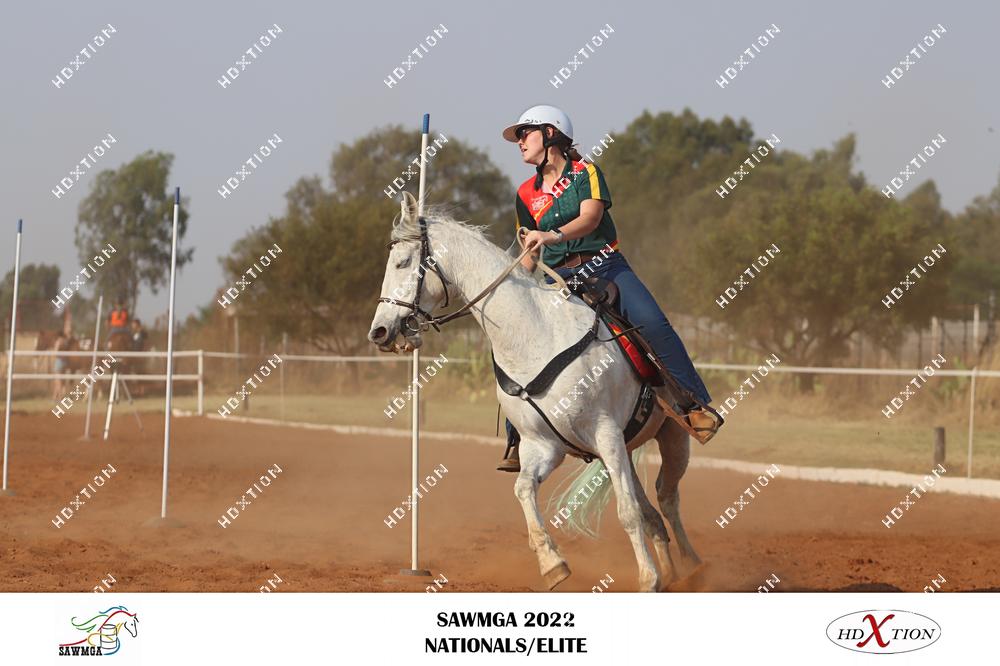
(307, 628)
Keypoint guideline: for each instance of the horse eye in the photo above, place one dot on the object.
(404, 263)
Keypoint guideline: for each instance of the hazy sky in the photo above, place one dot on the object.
(320, 83)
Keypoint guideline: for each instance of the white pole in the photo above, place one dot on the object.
(170, 352)
(10, 355)
(93, 364)
(112, 392)
(415, 405)
(975, 331)
(972, 413)
(201, 382)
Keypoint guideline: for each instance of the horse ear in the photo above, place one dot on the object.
(409, 207)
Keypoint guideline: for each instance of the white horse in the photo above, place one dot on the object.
(527, 328)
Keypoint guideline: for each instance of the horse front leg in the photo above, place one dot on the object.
(538, 459)
(611, 446)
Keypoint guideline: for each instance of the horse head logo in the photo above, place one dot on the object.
(102, 632)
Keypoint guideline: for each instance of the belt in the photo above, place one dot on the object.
(574, 259)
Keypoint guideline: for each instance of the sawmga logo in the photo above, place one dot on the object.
(883, 631)
(102, 633)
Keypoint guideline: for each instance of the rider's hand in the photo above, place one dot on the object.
(535, 239)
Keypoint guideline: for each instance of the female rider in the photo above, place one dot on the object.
(565, 207)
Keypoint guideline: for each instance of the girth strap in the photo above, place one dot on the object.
(544, 380)
(552, 369)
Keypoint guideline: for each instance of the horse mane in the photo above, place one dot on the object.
(406, 229)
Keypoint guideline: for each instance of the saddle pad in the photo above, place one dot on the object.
(642, 367)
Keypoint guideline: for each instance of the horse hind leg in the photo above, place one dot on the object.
(675, 451)
(655, 530)
(537, 462)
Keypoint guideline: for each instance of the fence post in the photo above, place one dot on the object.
(938, 445)
(281, 372)
(972, 415)
(201, 382)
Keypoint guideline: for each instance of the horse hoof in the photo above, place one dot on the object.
(556, 575)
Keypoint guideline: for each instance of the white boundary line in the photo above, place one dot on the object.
(989, 488)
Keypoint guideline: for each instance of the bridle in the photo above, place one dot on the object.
(420, 319)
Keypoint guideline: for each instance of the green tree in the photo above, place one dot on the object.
(843, 246)
(653, 167)
(37, 286)
(976, 234)
(132, 209)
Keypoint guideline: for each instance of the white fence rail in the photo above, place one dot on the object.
(201, 355)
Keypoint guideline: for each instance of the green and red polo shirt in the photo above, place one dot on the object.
(539, 210)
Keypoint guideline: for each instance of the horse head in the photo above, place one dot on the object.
(132, 625)
(408, 298)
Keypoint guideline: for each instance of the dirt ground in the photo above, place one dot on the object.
(319, 525)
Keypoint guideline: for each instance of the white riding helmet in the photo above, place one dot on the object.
(542, 114)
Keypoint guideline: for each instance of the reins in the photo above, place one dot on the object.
(430, 320)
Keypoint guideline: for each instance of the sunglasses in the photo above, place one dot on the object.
(524, 130)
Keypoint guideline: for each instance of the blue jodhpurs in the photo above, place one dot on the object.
(639, 307)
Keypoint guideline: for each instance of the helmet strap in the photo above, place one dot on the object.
(546, 142)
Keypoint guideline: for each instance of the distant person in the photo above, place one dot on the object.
(118, 320)
(138, 336)
(61, 365)
(138, 340)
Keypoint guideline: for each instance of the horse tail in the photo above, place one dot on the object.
(584, 497)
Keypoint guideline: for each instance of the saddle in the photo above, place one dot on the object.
(602, 295)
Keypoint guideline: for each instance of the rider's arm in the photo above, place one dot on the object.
(591, 212)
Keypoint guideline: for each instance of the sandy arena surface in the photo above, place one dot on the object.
(319, 525)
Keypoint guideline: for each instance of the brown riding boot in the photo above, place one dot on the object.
(704, 424)
(510, 462)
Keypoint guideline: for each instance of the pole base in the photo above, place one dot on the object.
(158, 522)
(7, 493)
(415, 572)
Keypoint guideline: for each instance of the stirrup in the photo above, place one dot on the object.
(511, 461)
(703, 435)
